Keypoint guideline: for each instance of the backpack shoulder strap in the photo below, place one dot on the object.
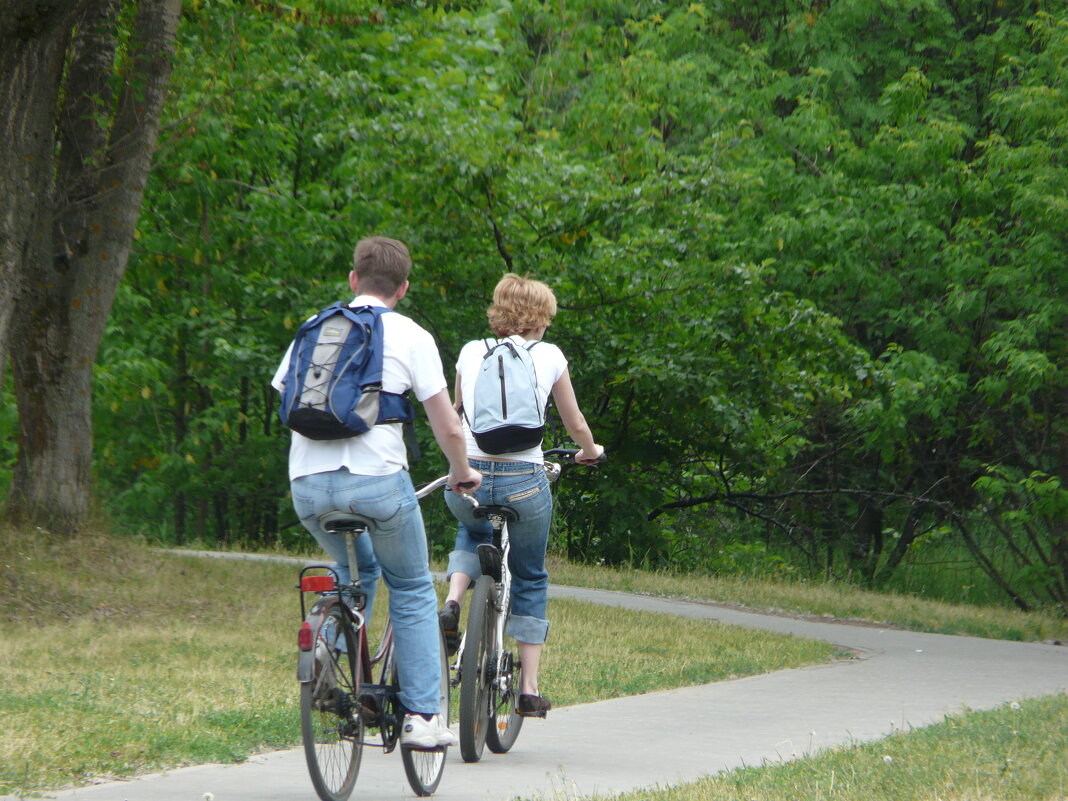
(369, 316)
(315, 318)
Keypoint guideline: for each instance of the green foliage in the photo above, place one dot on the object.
(809, 260)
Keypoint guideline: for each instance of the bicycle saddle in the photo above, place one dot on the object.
(345, 521)
(506, 512)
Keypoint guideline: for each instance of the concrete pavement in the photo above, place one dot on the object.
(899, 680)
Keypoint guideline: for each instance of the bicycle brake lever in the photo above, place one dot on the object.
(471, 498)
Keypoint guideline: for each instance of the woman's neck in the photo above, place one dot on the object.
(531, 335)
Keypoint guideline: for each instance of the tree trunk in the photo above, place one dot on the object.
(34, 38)
(910, 532)
(93, 159)
(867, 540)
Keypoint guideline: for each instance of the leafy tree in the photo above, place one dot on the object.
(807, 255)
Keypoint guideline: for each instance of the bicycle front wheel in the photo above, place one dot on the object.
(331, 731)
(476, 669)
(425, 767)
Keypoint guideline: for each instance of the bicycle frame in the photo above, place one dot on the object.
(503, 602)
(341, 698)
(503, 597)
(366, 662)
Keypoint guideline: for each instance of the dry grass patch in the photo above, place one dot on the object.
(597, 652)
(824, 600)
(119, 660)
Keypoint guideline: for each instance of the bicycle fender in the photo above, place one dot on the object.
(306, 659)
(305, 666)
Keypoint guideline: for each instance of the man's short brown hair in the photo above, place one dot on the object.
(381, 265)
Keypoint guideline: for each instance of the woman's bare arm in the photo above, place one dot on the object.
(574, 421)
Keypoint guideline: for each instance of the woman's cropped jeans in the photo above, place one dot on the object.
(397, 543)
(524, 487)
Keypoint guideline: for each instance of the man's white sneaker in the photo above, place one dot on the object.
(417, 732)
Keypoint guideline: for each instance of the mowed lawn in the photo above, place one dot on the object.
(118, 659)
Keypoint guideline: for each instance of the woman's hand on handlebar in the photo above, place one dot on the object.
(570, 456)
(591, 458)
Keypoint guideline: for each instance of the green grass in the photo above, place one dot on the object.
(1013, 753)
(598, 652)
(116, 661)
(119, 660)
(158, 660)
(824, 600)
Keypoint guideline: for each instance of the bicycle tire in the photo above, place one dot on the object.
(475, 667)
(424, 768)
(505, 722)
(332, 735)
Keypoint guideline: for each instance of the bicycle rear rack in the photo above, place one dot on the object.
(323, 585)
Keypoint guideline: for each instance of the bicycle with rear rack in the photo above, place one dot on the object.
(348, 690)
(488, 669)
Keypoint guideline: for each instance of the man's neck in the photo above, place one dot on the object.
(374, 300)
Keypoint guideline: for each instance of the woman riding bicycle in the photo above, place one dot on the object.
(522, 309)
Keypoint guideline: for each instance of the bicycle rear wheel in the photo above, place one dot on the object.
(332, 733)
(505, 722)
(476, 667)
(425, 767)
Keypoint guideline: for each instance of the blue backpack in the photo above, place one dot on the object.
(504, 415)
(333, 387)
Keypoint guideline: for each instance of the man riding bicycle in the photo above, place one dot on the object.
(368, 475)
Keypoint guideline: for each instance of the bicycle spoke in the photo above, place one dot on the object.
(332, 735)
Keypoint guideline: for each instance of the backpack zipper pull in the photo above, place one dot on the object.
(504, 395)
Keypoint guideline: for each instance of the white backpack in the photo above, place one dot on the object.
(504, 415)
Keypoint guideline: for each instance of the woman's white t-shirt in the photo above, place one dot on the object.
(549, 364)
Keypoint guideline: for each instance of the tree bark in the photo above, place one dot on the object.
(91, 159)
(34, 38)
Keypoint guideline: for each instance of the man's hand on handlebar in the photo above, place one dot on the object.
(465, 479)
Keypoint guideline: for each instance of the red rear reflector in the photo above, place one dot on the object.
(317, 583)
(304, 636)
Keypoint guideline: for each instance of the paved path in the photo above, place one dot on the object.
(901, 679)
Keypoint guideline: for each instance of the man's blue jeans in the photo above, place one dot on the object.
(524, 487)
(398, 542)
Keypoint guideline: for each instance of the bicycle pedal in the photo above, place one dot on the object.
(452, 644)
(368, 710)
(489, 560)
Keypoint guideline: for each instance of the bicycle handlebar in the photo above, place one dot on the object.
(437, 483)
(565, 455)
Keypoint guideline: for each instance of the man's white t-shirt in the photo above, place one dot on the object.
(410, 361)
(549, 364)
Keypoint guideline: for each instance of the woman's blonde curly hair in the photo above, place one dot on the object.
(520, 305)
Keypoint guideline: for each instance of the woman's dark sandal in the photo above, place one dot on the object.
(533, 706)
(449, 618)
